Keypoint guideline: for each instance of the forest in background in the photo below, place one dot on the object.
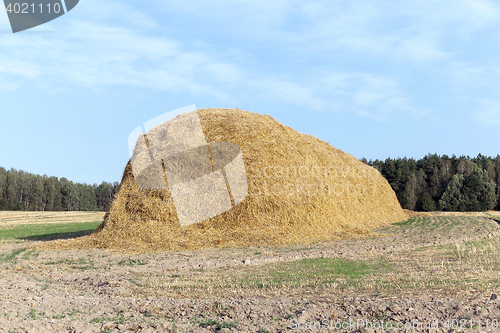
(443, 183)
(429, 184)
(20, 190)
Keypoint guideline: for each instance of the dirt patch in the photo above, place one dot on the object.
(418, 271)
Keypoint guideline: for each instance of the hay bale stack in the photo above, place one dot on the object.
(301, 190)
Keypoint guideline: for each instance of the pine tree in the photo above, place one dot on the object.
(389, 173)
(490, 168)
(36, 193)
(49, 187)
(479, 191)
(445, 172)
(12, 190)
(104, 194)
(428, 204)
(25, 180)
(70, 199)
(421, 187)
(410, 193)
(453, 199)
(87, 198)
(489, 195)
(3, 189)
(498, 191)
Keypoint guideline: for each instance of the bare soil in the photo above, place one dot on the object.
(432, 270)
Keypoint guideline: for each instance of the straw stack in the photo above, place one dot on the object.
(301, 190)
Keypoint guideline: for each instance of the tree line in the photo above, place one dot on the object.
(443, 183)
(20, 190)
(428, 184)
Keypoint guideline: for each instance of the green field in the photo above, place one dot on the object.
(47, 231)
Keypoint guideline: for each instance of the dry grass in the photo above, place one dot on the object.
(446, 270)
(280, 279)
(442, 255)
(17, 218)
(453, 268)
(490, 213)
(301, 190)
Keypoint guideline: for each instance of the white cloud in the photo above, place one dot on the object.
(473, 82)
(9, 86)
(423, 48)
(116, 12)
(4, 21)
(480, 13)
(490, 114)
(251, 15)
(288, 91)
(21, 68)
(412, 31)
(98, 56)
(374, 96)
(131, 49)
(370, 95)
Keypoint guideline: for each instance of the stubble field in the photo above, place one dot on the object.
(441, 268)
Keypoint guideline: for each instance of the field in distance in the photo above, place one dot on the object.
(8, 218)
(32, 226)
(436, 267)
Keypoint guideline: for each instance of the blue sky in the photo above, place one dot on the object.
(376, 79)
